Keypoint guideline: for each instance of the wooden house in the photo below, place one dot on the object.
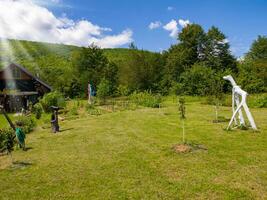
(19, 88)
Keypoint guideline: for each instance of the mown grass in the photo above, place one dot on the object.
(128, 155)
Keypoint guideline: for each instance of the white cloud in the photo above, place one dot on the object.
(172, 26)
(170, 8)
(224, 41)
(183, 23)
(30, 21)
(154, 25)
(51, 3)
(112, 41)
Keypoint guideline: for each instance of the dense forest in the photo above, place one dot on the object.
(193, 66)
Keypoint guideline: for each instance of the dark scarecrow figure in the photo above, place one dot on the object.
(54, 119)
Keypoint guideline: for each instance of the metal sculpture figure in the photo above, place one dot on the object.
(91, 93)
(237, 105)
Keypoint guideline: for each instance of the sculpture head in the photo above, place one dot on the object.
(231, 79)
(228, 77)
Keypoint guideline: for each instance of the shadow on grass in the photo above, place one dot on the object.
(28, 148)
(20, 164)
(67, 129)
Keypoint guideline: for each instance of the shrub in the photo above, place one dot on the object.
(123, 90)
(52, 99)
(37, 110)
(92, 110)
(103, 90)
(74, 110)
(262, 101)
(176, 88)
(198, 80)
(7, 140)
(27, 123)
(146, 99)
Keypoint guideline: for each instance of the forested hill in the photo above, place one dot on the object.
(21, 51)
(63, 66)
(194, 65)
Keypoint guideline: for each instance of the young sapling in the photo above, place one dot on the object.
(182, 115)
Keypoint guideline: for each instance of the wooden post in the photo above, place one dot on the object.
(7, 118)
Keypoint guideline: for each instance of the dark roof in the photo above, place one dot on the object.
(28, 73)
(19, 94)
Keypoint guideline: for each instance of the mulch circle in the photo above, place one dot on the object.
(182, 148)
(186, 148)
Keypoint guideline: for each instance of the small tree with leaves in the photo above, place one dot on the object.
(9, 142)
(182, 115)
(103, 90)
(216, 92)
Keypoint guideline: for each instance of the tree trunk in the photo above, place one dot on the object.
(216, 113)
(183, 131)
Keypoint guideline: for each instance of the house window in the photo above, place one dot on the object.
(16, 73)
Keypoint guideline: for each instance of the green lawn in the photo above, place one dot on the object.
(128, 155)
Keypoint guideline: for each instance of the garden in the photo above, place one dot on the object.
(125, 148)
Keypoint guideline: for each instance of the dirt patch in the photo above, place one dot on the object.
(182, 148)
(186, 148)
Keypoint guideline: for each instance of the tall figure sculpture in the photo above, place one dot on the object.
(237, 105)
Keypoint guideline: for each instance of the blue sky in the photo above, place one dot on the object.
(241, 20)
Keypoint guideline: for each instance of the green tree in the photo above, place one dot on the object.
(217, 53)
(253, 70)
(253, 76)
(216, 92)
(132, 46)
(182, 56)
(258, 49)
(144, 71)
(197, 80)
(193, 37)
(90, 64)
(103, 90)
(8, 142)
(110, 73)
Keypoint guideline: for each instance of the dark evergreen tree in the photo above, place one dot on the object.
(258, 49)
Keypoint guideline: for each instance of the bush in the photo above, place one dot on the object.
(146, 99)
(27, 123)
(37, 110)
(198, 80)
(6, 139)
(123, 90)
(52, 99)
(92, 110)
(261, 102)
(74, 110)
(103, 90)
(176, 88)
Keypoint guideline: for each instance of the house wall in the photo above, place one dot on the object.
(20, 85)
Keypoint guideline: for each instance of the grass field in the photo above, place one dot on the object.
(128, 155)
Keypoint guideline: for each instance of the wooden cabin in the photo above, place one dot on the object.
(19, 88)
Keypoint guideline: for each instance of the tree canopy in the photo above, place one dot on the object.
(191, 66)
